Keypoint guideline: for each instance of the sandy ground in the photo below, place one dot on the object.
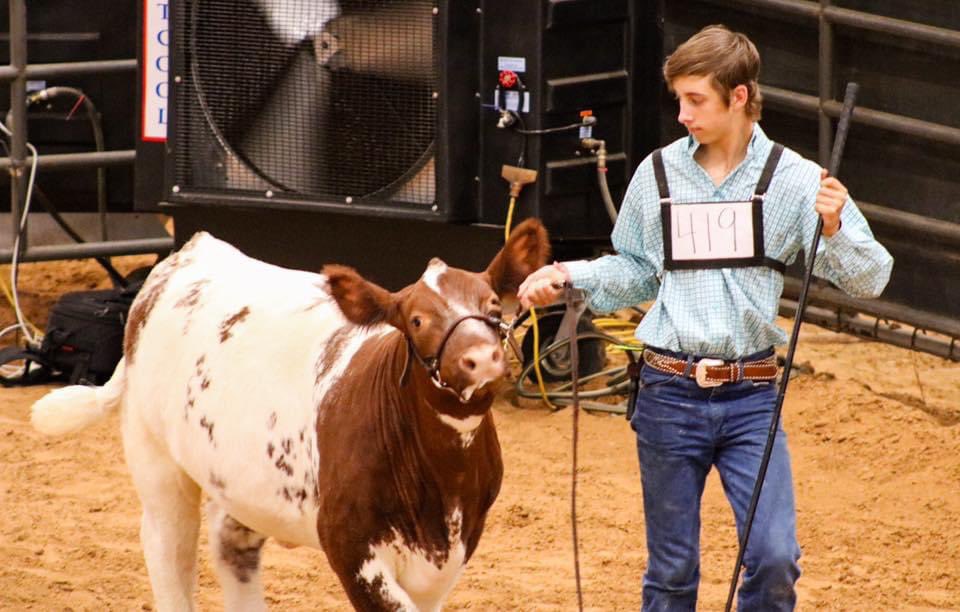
(874, 431)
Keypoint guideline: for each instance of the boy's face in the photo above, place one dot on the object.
(703, 111)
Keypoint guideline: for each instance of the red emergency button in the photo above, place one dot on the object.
(508, 78)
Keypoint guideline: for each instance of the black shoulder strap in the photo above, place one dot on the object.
(661, 175)
(768, 169)
(776, 264)
(762, 185)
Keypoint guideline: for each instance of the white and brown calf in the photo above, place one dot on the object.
(320, 410)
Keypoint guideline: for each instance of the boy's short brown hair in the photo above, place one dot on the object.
(729, 57)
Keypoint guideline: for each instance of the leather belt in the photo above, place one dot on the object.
(714, 372)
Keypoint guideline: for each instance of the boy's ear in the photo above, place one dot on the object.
(739, 95)
(362, 302)
(527, 250)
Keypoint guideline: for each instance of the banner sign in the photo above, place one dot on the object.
(156, 67)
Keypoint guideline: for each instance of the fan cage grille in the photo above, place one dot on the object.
(309, 101)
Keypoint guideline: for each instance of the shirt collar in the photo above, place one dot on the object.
(758, 142)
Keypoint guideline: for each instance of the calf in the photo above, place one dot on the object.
(321, 410)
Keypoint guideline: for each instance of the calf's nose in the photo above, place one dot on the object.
(483, 363)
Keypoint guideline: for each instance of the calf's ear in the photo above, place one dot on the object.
(362, 302)
(527, 250)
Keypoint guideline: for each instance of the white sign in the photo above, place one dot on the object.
(516, 64)
(714, 230)
(156, 69)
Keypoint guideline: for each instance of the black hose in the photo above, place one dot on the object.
(618, 383)
(94, 117)
(559, 129)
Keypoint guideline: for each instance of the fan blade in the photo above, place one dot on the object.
(296, 20)
(286, 140)
(393, 42)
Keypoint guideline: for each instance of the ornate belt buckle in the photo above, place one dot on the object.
(701, 372)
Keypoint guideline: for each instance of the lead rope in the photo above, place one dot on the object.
(574, 303)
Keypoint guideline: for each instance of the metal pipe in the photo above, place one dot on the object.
(900, 124)
(937, 230)
(824, 85)
(63, 37)
(62, 161)
(18, 115)
(856, 19)
(892, 26)
(789, 100)
(919, 250)
(803, 8)
(948, 348)
(880, 309)
(91, 249)
(46, 71)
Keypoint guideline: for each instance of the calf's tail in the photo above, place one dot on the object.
(73, 408)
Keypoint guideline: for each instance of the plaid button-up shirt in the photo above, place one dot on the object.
(730, 312)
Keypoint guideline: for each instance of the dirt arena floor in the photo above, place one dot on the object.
(874, 432)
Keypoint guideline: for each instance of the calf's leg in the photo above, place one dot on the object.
(235, 551)
(372, 587)
(170, 521)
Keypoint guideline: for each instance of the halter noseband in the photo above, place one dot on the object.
(432, 364)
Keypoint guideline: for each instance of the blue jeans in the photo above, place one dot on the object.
(683, 430)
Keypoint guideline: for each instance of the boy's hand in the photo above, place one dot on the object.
(830, 200)
(543, 287)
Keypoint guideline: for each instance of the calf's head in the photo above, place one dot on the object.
(449, 315)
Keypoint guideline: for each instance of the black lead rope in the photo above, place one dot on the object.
(576, 305)
(840, 140)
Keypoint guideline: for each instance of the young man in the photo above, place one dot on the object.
(706, 226)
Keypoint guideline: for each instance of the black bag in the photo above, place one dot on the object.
(83, 341)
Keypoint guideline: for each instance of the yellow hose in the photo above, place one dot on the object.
(6, 292)
(506, 228)
(533, 316)
(621, 330)
(536, 358)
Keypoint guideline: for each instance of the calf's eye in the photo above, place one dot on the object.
(417, 322)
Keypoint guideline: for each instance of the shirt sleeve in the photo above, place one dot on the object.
(852, 259)
(629, 276)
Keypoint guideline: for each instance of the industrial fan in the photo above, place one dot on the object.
(312, 101)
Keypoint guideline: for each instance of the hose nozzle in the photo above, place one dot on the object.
(518, 177)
